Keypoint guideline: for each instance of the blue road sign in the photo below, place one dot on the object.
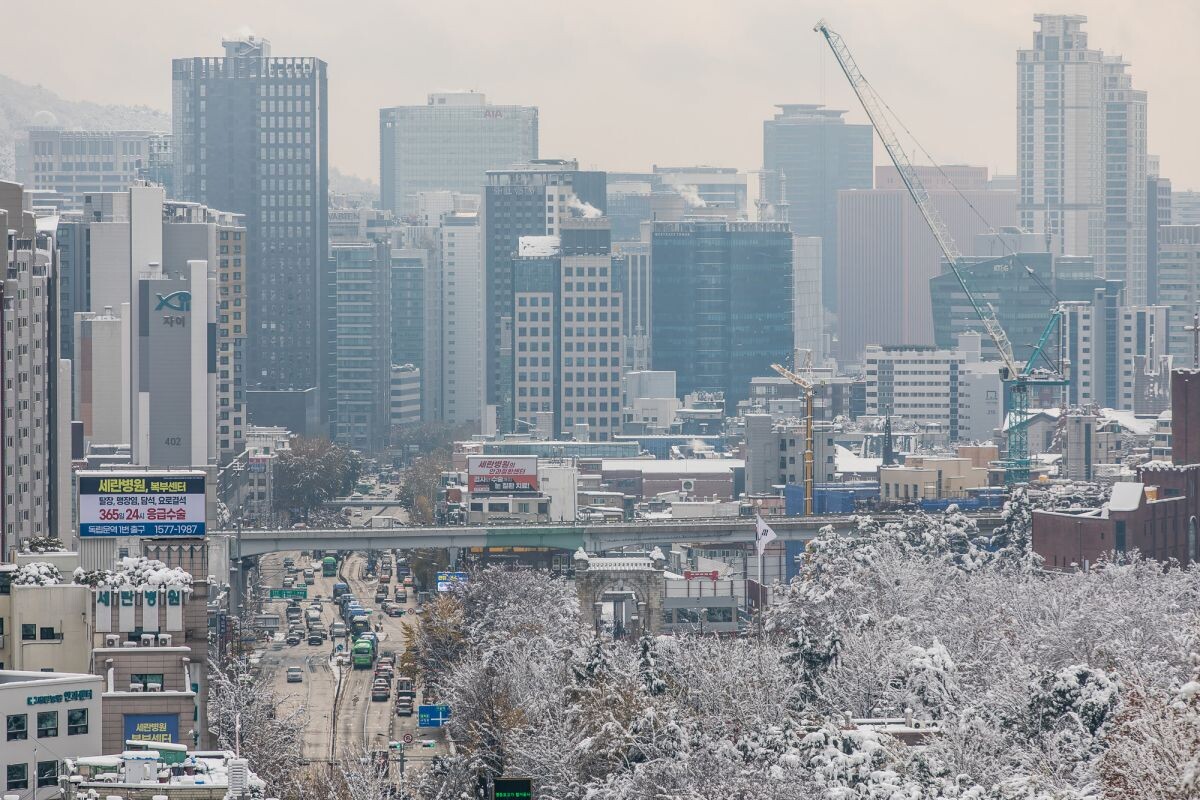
(432, 716)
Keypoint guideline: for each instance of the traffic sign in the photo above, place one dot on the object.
(300, 592)
(407, 738)
(432, 716)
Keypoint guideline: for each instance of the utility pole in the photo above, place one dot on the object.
(1194, 330)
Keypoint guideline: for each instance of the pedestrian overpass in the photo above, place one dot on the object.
(592, 537)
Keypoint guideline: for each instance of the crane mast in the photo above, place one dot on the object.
(1018, 378)
(916, 189)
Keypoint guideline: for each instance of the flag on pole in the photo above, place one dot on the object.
(762, 533)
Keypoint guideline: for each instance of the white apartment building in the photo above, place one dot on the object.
(931, 386)
(35, 393)
(463, 367)
(1117, 355)
(405, 395)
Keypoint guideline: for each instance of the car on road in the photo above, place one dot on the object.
(293, 639)
(310, 577)
(288, 582)
(295, 675)
(380, 595)
(337, 630)
(380, 690)
(401, 595)
(394, 610)
(404, 709)
(316, 638)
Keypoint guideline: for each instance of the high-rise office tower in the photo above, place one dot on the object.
(810, 153)
(78, 163)
(567, 333)
(1179, 285)
(1081, 151)
(364, 345)
(35, 395)
(722, 309)
(250, 137)
(524, 200)
(886, 254)
(449, 144)
(461, 385)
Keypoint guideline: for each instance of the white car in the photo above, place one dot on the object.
(295, 675)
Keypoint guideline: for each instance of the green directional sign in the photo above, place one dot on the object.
(300, 592)
(512, 789)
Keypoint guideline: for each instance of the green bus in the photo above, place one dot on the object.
(329, 566)
(363, 654)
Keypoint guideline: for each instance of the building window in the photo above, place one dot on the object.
(18, 776)
(146, 679)
(18, 727)
(28, 632)
(47, 773)
(47, 724)
(77, 721)
(48, 634)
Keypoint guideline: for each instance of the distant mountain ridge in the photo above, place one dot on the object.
(22, 106)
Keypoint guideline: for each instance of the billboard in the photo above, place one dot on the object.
(152, 728)
(501, 474)
(446, 580)
(140, 504)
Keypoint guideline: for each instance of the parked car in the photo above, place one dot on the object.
(295, 675)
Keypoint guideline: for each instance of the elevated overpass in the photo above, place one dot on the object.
(592, 537)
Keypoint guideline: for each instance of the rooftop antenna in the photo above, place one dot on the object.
(1194, 330)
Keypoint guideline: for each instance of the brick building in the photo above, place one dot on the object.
(1156, 515)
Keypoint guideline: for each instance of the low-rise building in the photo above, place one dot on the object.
(931, 478)
(169, 772)
(47, 618)
(49, 716)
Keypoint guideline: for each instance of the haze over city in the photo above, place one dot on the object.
(610, 401)
(696, 77)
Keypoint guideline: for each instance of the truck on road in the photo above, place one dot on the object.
(329, 567)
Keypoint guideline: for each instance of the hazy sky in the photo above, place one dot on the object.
(624, 84)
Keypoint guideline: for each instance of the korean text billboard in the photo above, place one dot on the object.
(141, 504)
(152, 728)
(502, 474)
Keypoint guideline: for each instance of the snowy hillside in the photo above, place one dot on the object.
(22, 105)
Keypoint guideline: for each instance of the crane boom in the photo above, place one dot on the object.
(916, 189)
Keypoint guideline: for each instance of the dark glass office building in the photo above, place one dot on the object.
(721, 295)
(250, 136)
(810, 154)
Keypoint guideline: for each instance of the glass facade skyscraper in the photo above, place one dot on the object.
(810, 154)
(722, 303)
(250, 136)
(449, 144)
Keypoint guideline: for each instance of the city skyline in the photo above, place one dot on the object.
(652, 77)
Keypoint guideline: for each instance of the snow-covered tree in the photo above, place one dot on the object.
(247, 716)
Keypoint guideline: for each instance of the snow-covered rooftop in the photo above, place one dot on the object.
(690, 466)
(1126, 496)
(846, 461)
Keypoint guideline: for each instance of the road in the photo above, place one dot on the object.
(359, 723)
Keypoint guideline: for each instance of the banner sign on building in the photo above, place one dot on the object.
(501, 474)
(152, 728)
(446, 580)
(141, 504)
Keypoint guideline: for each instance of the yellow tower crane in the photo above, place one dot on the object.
(808, 388)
